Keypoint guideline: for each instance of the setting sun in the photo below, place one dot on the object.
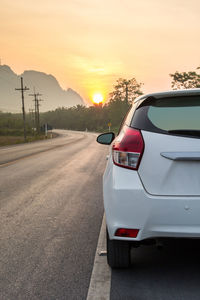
(97, 98)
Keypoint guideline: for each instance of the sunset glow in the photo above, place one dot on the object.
(97, 98)
(90, 44)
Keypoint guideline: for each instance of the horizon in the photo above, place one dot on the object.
(90, 44)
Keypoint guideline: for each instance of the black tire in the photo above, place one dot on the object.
(118, 253)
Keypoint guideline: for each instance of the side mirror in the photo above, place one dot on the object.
(106, 138)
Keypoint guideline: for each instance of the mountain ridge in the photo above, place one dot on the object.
(46, 84)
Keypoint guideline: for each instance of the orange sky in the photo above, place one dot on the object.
(88, 44)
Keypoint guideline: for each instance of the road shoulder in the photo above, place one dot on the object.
(100, 281)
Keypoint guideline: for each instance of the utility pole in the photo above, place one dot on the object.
(38, 114)
(22, 89)
(37, 118)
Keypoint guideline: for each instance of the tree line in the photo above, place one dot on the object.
(12, 124)
(96, 117)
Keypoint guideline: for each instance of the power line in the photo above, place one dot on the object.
(9, 110)
(22, 89)
(31, 113)
(8, 80)
(37, 113)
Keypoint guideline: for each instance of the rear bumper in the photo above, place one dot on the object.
(128, 205)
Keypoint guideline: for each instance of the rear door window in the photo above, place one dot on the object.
(173, 115)
(176, 113)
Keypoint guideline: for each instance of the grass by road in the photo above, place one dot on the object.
(12, 140)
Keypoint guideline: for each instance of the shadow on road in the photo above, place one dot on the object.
(170, 273)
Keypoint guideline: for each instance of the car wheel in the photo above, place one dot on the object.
(118, 253)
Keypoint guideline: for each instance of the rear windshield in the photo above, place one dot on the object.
(176, 113)
(168, 114)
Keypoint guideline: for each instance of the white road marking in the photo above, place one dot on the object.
(100, 281)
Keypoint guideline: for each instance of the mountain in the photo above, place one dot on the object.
(47, 85)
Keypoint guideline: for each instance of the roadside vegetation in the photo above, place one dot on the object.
(99, 117)
(12, 140)
(12, 132)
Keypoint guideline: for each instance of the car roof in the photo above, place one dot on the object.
(173, 93)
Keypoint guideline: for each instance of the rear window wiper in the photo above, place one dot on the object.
(186, 132)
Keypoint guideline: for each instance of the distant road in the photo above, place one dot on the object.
(50, 215)
(11, 153)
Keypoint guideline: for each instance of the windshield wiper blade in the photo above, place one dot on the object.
(186, 132)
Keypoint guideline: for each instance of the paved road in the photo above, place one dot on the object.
(11, 153)
(50, 216)
(169, 274)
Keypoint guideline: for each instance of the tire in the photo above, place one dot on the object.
(118, 253)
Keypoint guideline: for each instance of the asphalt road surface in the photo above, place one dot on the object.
(50, 217)
(171, 273)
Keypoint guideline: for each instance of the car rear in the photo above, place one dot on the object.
(152, 180)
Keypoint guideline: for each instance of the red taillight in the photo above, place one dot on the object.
(128, 148)
(124, 232)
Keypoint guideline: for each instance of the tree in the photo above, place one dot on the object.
(126, 90)
(185, 80)
(98, 116)
(120, 100)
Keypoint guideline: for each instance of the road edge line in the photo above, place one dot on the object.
(100, 281)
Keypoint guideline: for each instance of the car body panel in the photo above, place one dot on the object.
(154, 216)
(173, 93)
(163, 176)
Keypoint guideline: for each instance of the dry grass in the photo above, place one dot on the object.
(12, 140)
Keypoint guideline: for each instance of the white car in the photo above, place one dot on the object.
(151, 185)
